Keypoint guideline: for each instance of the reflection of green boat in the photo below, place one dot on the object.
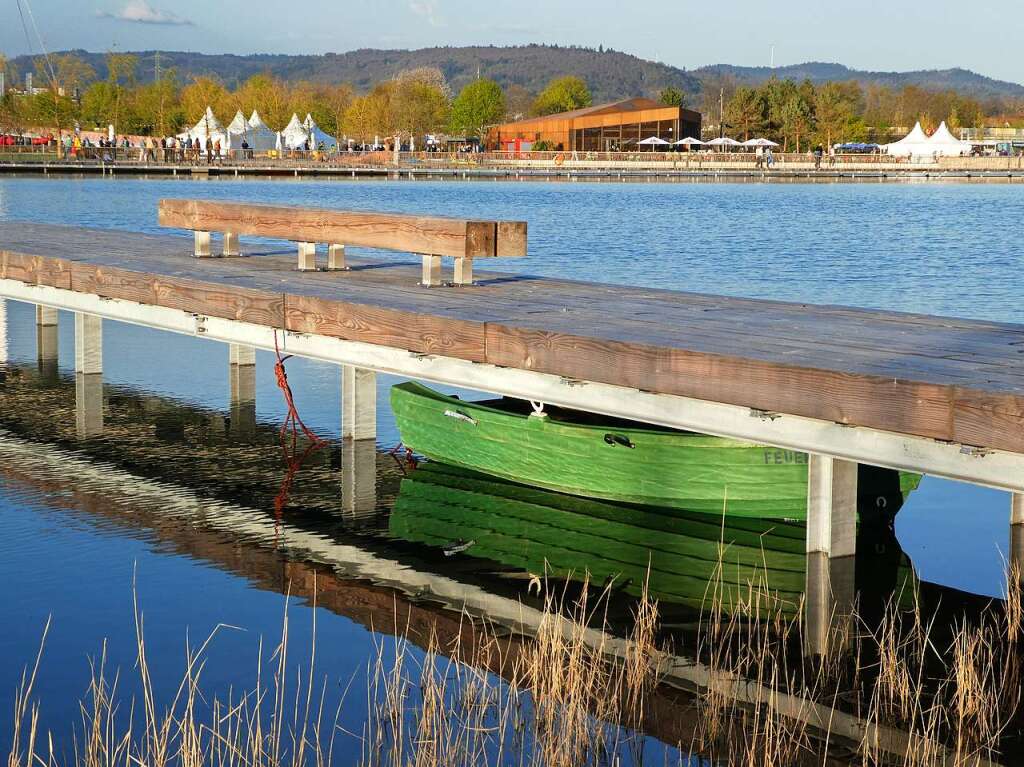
(565, 536)
(584, 454)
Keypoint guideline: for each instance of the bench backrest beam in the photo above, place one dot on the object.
(431, 235)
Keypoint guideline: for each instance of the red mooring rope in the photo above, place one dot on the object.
(292, 458)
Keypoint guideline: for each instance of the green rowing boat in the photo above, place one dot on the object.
(686, 558)
(570, 451)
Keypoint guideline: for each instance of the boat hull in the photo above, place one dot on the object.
(619, 461)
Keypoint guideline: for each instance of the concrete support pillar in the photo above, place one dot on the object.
(358, 403)
(464, 271)
(828, 603)
(431, 271)
(88, 405)
(46, 342)
(831, 549)
(88, 343)
(242, 379)
(336, 258)
(1017, 529)
(4, 352)
(831, 506)
(231, 246)
(359, 477)
(307, 256)
(202, 245)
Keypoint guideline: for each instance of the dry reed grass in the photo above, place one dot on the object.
(571, 695)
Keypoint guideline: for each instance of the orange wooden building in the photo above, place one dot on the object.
(612, 127)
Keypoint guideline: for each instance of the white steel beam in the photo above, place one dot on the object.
(992, 468)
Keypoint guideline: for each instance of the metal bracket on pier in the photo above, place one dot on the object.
(571, 381)
(977, 452)
(764, 415)
(200, 323)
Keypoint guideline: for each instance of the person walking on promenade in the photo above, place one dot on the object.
(769, 158)
(209, 149)
(759, 157)
(818, 153)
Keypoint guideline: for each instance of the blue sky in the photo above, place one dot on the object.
(896, 34)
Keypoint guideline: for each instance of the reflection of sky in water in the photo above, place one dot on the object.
(930, 248)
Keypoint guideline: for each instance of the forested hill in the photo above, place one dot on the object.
(610, 74)
(962, 80)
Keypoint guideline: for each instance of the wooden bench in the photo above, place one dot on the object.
(432, 237)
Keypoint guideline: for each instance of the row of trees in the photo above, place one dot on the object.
(420, 101)
(415, 102)
(800, 114)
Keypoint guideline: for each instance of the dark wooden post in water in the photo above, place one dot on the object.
(430, 237)
(1016, 555)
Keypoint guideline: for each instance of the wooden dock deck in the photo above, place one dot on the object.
(945, 379)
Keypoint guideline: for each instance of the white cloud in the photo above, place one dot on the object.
(428, 10)
(141, 12)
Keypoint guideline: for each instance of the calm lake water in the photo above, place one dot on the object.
(74, 542)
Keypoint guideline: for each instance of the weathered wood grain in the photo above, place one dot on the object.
(386, 327)
(432, 235)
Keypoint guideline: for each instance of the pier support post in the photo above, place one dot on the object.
(88, 343)
(358, 403)
(202, 245)
(431, 271)
(336, 258)
(831, 549)
(359, 477)
(242, 380)
(4, 354)
(46, 342)
(88, 405)
(231, 245)
(1017, 529)
(307, 256)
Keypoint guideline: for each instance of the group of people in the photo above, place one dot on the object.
(147, 149)
(763, 157)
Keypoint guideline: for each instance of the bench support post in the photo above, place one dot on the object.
(242, 382)
(359, 477)
(336, 258)
(431, 271)
(831, 550)
(307, 256)
(88, 343)
(231, 245)
(202, 245)
(464, 270)
(358, 403)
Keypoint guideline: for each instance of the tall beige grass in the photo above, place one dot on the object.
(570, 695)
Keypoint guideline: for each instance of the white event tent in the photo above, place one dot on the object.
(317, 135)
(945, 144)
(294, 136)
(914, 143)
(253, 132)
(207, 127)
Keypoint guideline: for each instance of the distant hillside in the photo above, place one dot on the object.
(610, 74)
(961, 80)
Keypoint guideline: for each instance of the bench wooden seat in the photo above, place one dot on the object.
(432, 237)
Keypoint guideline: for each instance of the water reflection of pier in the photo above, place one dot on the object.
(381, 568)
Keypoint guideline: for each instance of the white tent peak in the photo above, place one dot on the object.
(255, 121)
(239, 124)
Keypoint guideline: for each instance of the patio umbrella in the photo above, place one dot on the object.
(723, 141)
(688, 141)
(759, 142)
(654, 141)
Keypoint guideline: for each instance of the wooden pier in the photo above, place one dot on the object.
(929, 394)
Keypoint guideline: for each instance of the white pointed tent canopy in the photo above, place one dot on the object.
(207, 127)
(294, 135)
(945, 144)
(914, 143)
(252, 131)
(317, 136)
